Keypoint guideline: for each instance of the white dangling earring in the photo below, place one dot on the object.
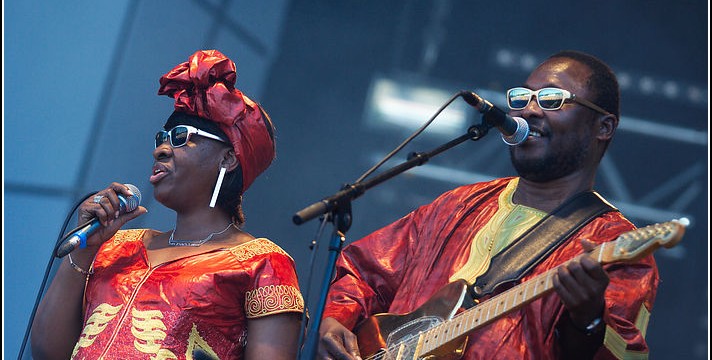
(218, 184)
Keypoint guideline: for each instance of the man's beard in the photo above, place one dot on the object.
(551, 166)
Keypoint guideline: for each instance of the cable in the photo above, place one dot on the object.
(60, 238)
(406, 141)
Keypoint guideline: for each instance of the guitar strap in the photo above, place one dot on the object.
(524, 253)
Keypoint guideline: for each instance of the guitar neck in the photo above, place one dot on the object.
(629, 246)
(492, 309)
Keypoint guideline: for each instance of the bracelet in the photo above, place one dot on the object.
(78, 269)
(593, 327)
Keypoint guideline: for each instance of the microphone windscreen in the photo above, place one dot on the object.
(132, 202)
(519, 133)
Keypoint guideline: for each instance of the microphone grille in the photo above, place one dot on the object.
(133, 202)
(519, 135)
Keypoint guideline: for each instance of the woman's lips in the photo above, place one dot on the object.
(158, 173)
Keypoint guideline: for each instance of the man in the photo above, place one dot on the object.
(594, 311)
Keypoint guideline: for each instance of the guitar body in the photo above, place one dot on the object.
(390, 336)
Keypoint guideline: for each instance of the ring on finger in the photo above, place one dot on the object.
(97, 198)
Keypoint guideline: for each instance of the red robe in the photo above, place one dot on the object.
(399, 267)
(133, 311)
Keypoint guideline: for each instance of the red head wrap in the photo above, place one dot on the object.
(205, 86)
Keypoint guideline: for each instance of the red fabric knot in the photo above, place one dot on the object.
(205, 86)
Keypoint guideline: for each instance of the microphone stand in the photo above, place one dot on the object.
(340, 216)
(338, 209)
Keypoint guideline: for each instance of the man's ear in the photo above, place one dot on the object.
(607, 125)
(229, 160)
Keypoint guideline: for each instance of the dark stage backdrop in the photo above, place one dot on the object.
(91, 70)
(318, 92)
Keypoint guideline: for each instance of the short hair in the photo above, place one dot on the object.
(602, 82)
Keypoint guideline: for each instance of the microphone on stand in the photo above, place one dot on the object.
(72, 241)
(514, 129)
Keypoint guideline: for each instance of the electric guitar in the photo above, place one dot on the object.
(435, 331)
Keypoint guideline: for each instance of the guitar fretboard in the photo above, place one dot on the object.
(492, 309)
(630, 246)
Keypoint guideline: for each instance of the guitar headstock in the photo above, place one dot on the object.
(635, 244)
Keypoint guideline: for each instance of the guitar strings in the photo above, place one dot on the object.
(547, 287)
(410, 343)
(484, 306)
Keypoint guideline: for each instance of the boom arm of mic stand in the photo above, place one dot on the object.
(339, 207)
(352, 191)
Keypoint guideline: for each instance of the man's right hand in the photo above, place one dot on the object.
(336, 341)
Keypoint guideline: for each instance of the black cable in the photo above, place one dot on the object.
(314, 244)
(408, 140)
(60, 238)
(314, 247)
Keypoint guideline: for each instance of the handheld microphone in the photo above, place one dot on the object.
(80, 236)
(514, 129)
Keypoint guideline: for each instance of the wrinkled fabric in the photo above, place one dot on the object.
(133, 311)
(205, 86)
(399, 267)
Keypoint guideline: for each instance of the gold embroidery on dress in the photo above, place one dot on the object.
(272, 299)
(195, 341)
(128, 235)
(507, 224)
(256, 247)
(99, 318)
(641, 321)
(617, 345)
(148, 328)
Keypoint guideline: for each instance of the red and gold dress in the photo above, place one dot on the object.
(134, 311)
(399, 267)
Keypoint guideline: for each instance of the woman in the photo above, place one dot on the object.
(205, 289)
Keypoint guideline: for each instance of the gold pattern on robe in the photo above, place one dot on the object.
(96, 323)
(508, 223)
(258, 246)
(617, 345)
(148, 328)
(128, 235)
(195, 341)
(641, 322)
(272, 299)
